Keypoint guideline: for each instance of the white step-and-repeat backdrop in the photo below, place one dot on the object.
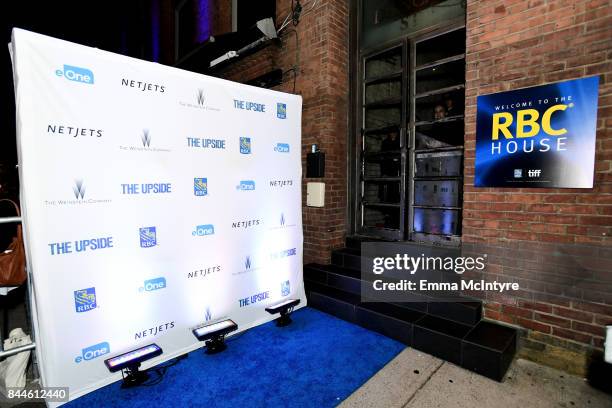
(154, 200)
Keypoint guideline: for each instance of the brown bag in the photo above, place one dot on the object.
(12, 262)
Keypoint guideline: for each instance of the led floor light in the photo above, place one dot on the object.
(130, 362)
(284, 308)
(213, 335)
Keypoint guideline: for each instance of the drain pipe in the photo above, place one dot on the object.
(608, 345)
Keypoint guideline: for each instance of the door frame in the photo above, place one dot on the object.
(357, 58)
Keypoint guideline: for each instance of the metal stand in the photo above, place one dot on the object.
(134, 377)
(215, 345)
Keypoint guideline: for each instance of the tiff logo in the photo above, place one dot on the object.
(534, 173)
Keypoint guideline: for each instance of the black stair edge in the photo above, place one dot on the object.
(354, 241)
(489, 349)
(332, 301)
(335, 269)
(462, 312)
(392, 311)
(330, 292)
(350, 251)
(510, 334)
(444, 326)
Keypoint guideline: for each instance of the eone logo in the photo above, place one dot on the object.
(92, 352)
(76, 74)
(202, 230)
(153, 284)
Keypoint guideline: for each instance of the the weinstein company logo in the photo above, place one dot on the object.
(146, 139)
(282, 223)
(198, 102)
(79, 191)
(248, 265)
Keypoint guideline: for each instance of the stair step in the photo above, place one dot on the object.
(347, 280)
(488, 349)
(347, 258)
(440, 337)
(390, 320)
(333, 301)
(465, 312)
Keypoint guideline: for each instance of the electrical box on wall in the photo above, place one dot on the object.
(315, 194)
(315, 164)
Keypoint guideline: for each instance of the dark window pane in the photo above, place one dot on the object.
(437, 193)
(380, 117)
(441, 47)
(440, 107)
(440, 134)
(381, 217)
(441, 222)
(382, 165)
(383, 91)
(387, 192)
(445, 164)
(385, 141)
(386, 63)
(383, 20)
(440, 76)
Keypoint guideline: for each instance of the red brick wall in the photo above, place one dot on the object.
(518, 43)
(322, 80)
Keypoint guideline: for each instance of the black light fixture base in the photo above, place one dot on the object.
(133, 377)
(215, 345)
(283, 320)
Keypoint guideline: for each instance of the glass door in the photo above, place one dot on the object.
(438, 128)
(383, 154)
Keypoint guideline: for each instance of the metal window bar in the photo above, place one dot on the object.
(27, 347)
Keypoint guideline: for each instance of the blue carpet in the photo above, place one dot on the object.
(317, 361)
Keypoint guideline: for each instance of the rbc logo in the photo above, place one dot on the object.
(246, 185)
(154, 284)
(92, 352)
(518, 173)
(202, 230)
(200, 186)
(285, 288)
(85, 299)
(282, 148)
(281, 110)
(148, 237)
(245, 145)
(76, 74)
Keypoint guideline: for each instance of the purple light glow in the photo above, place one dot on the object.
(202, 14)
(155, 30)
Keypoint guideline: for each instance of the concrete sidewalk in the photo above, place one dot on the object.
(415, 379)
